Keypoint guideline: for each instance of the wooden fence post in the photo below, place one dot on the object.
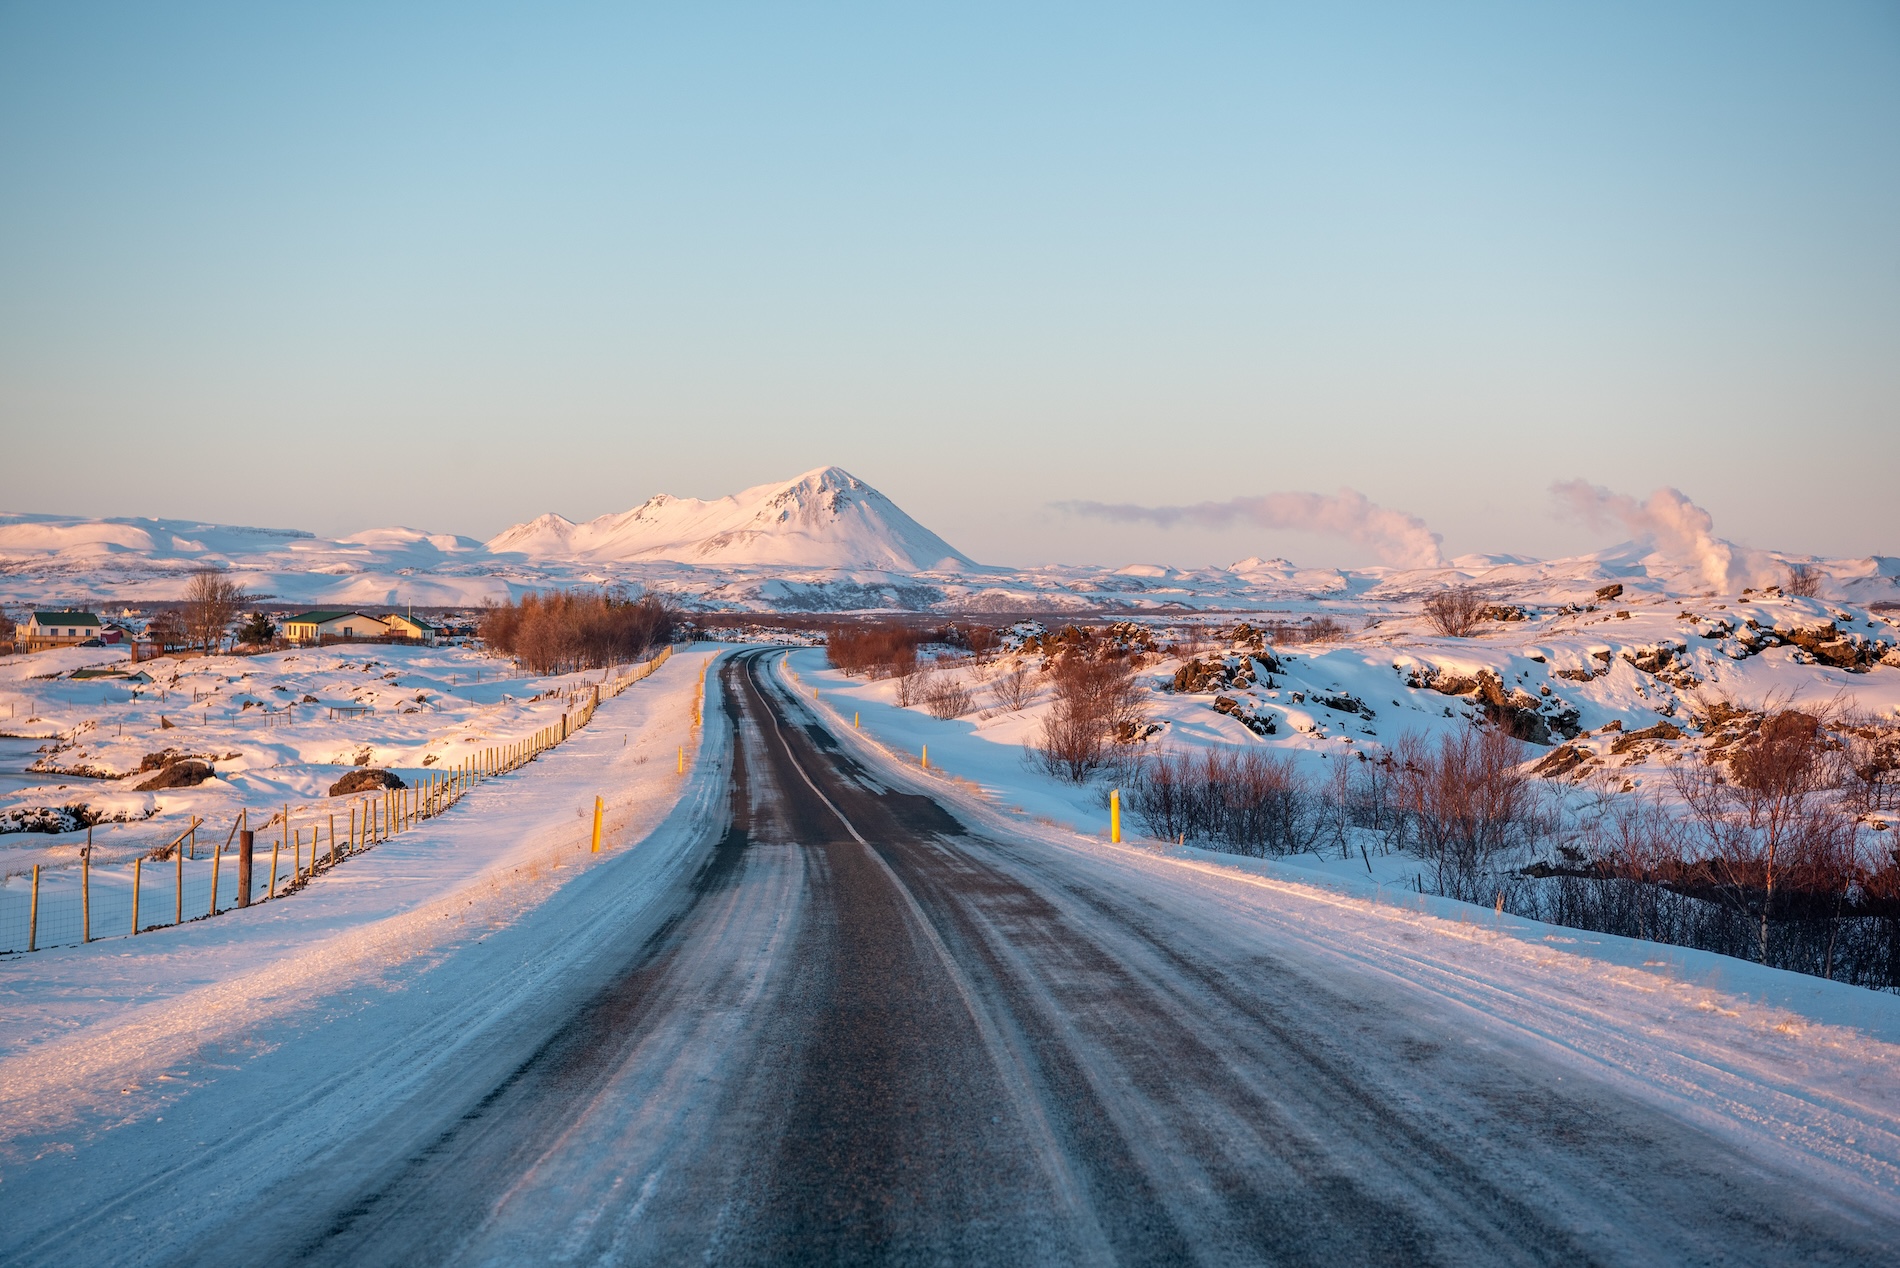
(333, 838)
(85, 891)
(178, 915)
(33, 913)
(275, 847)
(247, 852)
(138, 870)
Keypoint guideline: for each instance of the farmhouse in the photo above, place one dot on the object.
(56, 629)
(414, 627)
(314, 627)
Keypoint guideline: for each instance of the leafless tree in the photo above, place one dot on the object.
(167, 629)
(211, 601)
(1467, 804)
(567, 630)
(1777, 816)
(1453, 612)
(1803, 580)
(1097, 705)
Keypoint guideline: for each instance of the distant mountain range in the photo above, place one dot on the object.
(825, 541)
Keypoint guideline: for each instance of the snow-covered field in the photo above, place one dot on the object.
(275, 728)
(277, 733)
(99, 1036)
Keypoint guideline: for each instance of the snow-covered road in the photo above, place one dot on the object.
(816, 1015)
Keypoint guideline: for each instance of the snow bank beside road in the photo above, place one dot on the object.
(83, 1023)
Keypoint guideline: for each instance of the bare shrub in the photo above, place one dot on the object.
(1776, 819)
(947, 696)
(1313, 629)
(1097, 705)
(1872, 758)
(1241, 801)
(566, 630)
(1454, 611)
(1467, 807)
(911, 681)
(1014, 688)
(1803, 581)
(211, 601)
(884, 650)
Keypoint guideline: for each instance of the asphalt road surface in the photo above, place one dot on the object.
(860, 1032)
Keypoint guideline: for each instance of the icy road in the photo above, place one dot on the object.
(853, 1028)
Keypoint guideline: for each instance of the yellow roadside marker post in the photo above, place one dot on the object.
(682, 769)
(926, 757)
(1115, 815)
(597, 825)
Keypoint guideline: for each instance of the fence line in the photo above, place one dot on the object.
(81, 904)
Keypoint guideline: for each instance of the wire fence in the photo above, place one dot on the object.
(194, 875)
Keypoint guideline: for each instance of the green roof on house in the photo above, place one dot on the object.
(416, 621)
(324, 618)
(65, 618)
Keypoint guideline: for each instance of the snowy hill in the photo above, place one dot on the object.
(825, 541)
(827, 518)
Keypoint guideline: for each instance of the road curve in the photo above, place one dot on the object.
(862, 1032)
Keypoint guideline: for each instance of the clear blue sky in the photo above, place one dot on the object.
(333, 266)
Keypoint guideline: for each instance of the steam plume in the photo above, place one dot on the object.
(1668, 520)
(1398, 538)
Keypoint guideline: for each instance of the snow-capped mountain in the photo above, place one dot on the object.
(827, 518)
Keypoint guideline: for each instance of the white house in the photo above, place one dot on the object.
(56, 629)
(314, 627)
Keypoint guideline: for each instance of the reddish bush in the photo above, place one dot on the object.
(884, 650)
(567, 630)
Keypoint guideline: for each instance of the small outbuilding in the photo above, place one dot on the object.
(413, 627)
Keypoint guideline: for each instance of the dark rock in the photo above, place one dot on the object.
(1661, 731)
(184, 773)
(166, 756)
(1612, 591)
(1561, 761)
(365, 779)
(1346, 703)
(1199, 675)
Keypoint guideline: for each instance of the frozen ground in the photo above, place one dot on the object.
(278, 729)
